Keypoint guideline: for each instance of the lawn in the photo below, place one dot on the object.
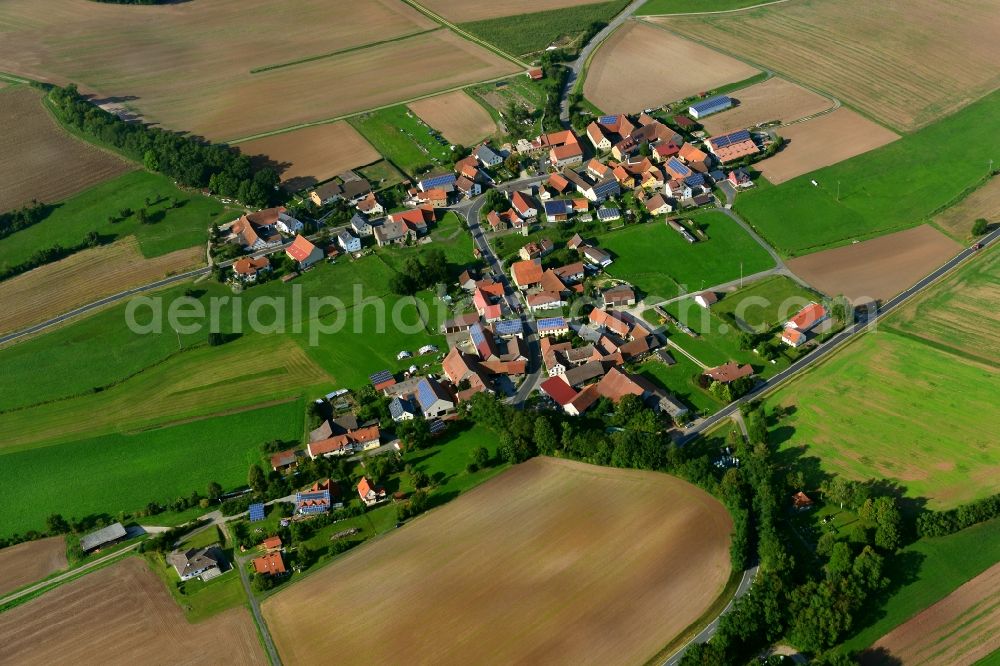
(680, 380)
(381, 174)
(894, 407)
(448, 235)
(693, 6)
(404, 139)
(119, 472)
(171, 227)
(200, 600)
(659, 262)
(766, 302)
(894, 187)
(529, 33)
(926, 572)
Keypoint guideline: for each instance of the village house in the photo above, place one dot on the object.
(535, 250)
(382, 380)
(402, 408)
(416, 220)
(508, 329)
(468, 187)
(558, 183)
(728, 372)
(353, 189)
(658, 205)
(392, 232)
(433, 399)
(270, 564)
(740, 178)
(487, 157)
(246, 269)
(564, 148)
(361, 225)
(693, 157)
(287, 224)
(557, 210)
(526, 274)
(204, 563)
(732, 147)
(807, 317)
(318, 498)
(436, 197)
(370, 206)
(618, 296)
(271, 544)
(258, 231)
(593, 189)
(508, 219)
(792, 337)
(445, 181)
(353, 441)
(284, 460)
(348, 242)
(570, 273)
(609, 130)
(552, 326)
(545, 300)
(369, 494)
(609, 214)
(486, 305)
(595, 256)
(303, 252)
(524, 204)
(460, 323)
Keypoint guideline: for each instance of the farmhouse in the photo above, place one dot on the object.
(433, 399)
(368, 493)
(370, 206)
(618, 296)
(706, 299)
(460, 323)
(284, 460)
(732, 146)
(807, 317)
(606, 131)
(693, 157)
(106, 536)
(247, 268)
(595, 256)
(445, 181)
(270, 564)
(658, 205)
(545, 300)
(348, 242)
(729, 372)
(402, 409)
(526, 274)
(535, 74)
(739, 178)
(468, 187)
(709, 106)
(594, 189)
(352, 441)
(382, 380)
(271, 543)
(416, 219)
(204, 563)
(535, 250)
(508, 219)
(524, 204)
(392, 232)
(303, 252)
(564, 148)
(352, 190)
(792, 337)
(316, 499)
(258, 231)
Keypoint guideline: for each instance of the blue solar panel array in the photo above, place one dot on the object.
(438, 181)
(557, 207)
(476, 333)
(380, 376)
(607, 120)
(508, 327)
(552, 322)
(695, 180)
(678, 166)
(730, 139)
(609, 213)
(256, 512)
(425, 393)
(712, 104)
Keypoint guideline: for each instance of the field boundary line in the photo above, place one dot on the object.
(13, 78)
(332, 54)
(47, 585)
(437, 18)
(720, 11)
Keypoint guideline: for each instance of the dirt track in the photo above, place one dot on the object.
(879, 268)
(960, 629)
(457, 116)
(122, 615)
(552, 562)
(28, 562)
(640, 66)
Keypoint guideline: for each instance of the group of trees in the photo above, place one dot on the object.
(940, 523)
(421, 272)
(49, 255)
(188, 160)
(23, 217)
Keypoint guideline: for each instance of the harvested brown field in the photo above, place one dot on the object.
(553, 561)
(31, 561)
(314, 154)
(457, 116)
(188, 65)
(907, 76)
(774, 99)
(85, 277)
(961, 629)
(41, 161)
(123, 614)
(983, 202)
(461, 12)
(641, 66)
(878, 268)
(823, 141)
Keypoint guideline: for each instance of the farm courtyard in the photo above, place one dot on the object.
(500, 572)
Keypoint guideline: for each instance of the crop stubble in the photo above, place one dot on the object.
(31, 561)
(457, 116)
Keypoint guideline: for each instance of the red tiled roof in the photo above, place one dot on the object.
(300, 249)
(249, 266)
(616, 384)
(559, 390)
(527, 272)
(271, 543)
(729, 371)
(270, 564)
(807, 317)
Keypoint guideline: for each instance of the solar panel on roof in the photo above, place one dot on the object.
(436, 181)
(508, 326)
(256, 512)
(380, 376)
(711, 103)
(695, 180)
(551, 322)
(731, 138)
(606, 120)
(476, 332)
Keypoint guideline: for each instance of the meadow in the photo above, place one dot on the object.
(529, 33)
(126, 471)
(868, 195)
(775, 299)
(176, 219)
(659, 262)
(842, 47)
(680, 380)
(404, 139)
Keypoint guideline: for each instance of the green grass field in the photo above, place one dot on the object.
(403, 139)
(766, 302)
(652, 7)
(171, 228)
(679, 379)
(529, 33)
(926, 572)
(657, 260)
(126, 471)
(381, 174)
(894, 187)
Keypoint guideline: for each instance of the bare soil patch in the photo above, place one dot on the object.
(823, 141)
(38, 160)
(461, 12)
(188, 65)
(879, 268)
(312, 155)
(552, 561)
(85, 277)
(960, 629)
(31, 561)
(846, 47)
(641, 66)
(983, 202)
(774, 99)
(457, 116)
(123, 614)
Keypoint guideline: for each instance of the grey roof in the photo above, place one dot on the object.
(194, 560)
(400, 406)
(485, 154)
(102, 536)
(584, 373)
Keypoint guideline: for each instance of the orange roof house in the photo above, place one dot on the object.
(729, 371)
(271, 543)
(807, 317)
(535, 73)
(801, 501)
(270, 564)
(304, 252)
(369, 494)
(526, 273)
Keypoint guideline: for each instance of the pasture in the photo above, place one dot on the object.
(879, 268)
(895, 407)
(84, 277)
(526, 34)
(766, 302)
(627, 72)
(823, 141)
(31, 561)
(125, 606)
(956, 221)
(457, 116)
(176, 220)
(774, 99)
(657, 260)
(545, 530)
(404, 139)
(459, 12)
(40, 161)
(868, 196)
(311, 155)
(124, 471)
(842, 47)
(956, 631)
